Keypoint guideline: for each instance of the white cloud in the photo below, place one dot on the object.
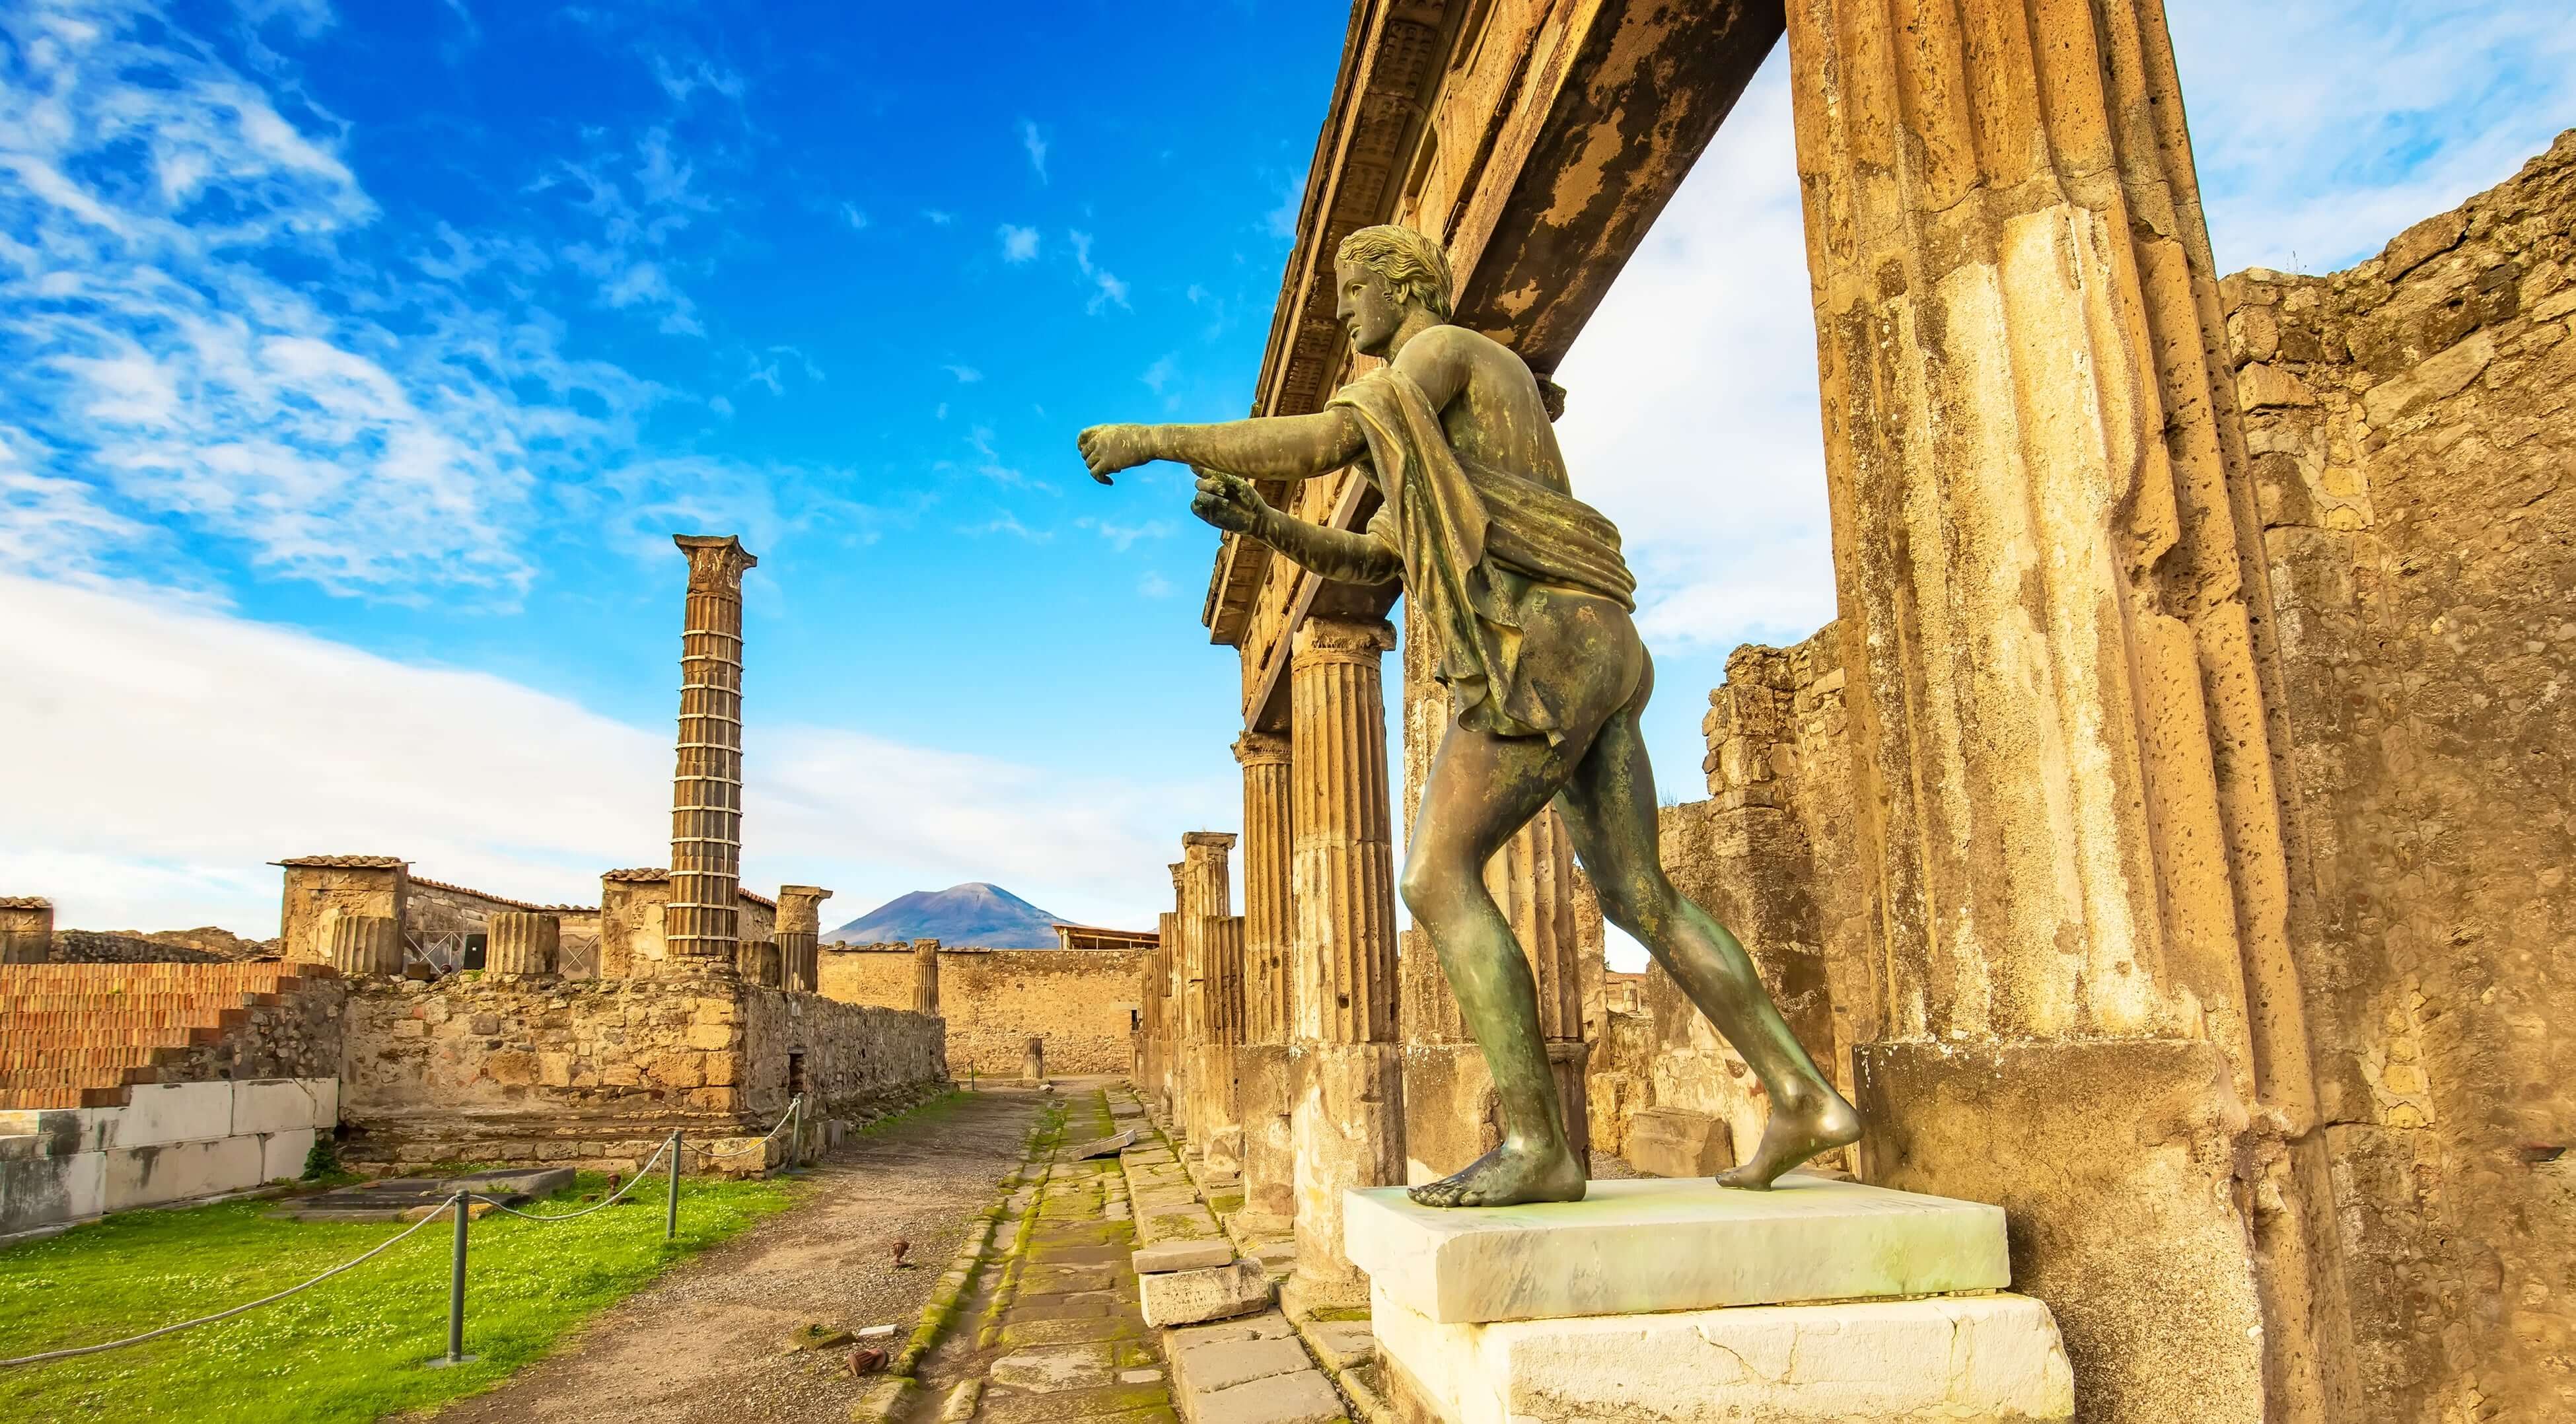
(966, 375)
(1019, 244)
(1123, 537)
(1162, 373)
(139, 706)
(857, 219)
(1036, 145)
(939, 217)
(1154, 585)
(684, 77)
(1106, 288)
(2321, 128)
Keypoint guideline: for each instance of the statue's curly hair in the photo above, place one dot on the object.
(1413, 264)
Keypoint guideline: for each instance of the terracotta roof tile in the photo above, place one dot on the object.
(343, 862)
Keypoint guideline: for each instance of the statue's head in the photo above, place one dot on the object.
(1383, 275)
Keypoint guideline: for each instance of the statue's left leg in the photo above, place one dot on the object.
(1609, 807)
(1481, 789)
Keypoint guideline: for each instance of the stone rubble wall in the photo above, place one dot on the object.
(1082, 1001)
(2412, 426)
(596, 1071)
(108, 947)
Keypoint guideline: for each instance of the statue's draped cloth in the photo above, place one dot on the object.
(1474, 539)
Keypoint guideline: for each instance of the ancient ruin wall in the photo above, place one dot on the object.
(1083, 1001)
(2415, 450)
(853, 1059)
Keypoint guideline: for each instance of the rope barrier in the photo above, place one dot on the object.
(455, 1202)
(640, 1170)
(792, 1105)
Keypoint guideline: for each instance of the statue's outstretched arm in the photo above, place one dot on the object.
(1230, 502)
(1277, 447)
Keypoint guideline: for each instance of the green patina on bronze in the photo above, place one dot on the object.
(1525, 588)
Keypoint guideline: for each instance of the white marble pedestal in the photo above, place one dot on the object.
(1681, 1302)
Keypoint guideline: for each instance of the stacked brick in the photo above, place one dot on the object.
(80, 1035)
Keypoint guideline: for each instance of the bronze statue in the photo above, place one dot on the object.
(1527, 592)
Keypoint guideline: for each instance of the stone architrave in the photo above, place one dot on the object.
(2055, 620)
(925, 977)
(799, 931)
(366, 944)
(701, 923)
(26, 929)
(1264, 1097)
(521, 942)
(1347, 1063)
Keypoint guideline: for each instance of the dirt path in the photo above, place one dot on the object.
(706, 1344)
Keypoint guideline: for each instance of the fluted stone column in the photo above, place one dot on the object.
(706, 791)
(1167, 1013)
(799, 931)
(762, 963)
(521, 942)
(1183, 997)
(26, 929)
(1349, 1114)
(2056, 620)
(1216, 999)
(925, 977)
(1264, 1098)
(367, 944)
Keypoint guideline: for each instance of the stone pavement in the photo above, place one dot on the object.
(1064, 1334)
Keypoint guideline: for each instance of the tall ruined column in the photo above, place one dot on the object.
(1179, 997)
(2068, 724)
(1167, 1013)
(706, 792)
(26, 929)
(800, 935)
(1215, 998)
(925, 977)
(1263, 1095)
(1349, 1115)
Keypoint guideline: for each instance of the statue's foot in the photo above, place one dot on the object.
(1796, 1132)
(1508, 1176)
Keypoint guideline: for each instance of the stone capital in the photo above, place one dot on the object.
(1348, 640)
(1206, 841)
(1178, 868)
(1261, 749)
(716, 564)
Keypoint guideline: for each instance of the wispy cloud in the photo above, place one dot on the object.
(681, 78)
(182, 804)
(1123, 537)
(1159, 376)
(938, 217)
(1019, 244)
(1106, 288)
(854, 216)
(966, 375)
(1036, 145)
(1154, 585)
(1008, 523)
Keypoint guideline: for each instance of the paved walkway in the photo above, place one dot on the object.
(706, 1345)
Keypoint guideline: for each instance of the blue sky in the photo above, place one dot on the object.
(365, 358)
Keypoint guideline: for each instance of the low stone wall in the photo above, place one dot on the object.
(171, 1142)
(597, 1071)
(105, 947)
(1082, 1001)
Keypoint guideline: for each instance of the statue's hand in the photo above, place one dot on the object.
(1227, 501)
(1107, 449)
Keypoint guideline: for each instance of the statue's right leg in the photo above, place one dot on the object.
(1609, 807)
(1481, 789)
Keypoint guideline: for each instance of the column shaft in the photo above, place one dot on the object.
(706, 794)
(1349, 1123)
(2069, 742)
(925, 977)
(521, 942)
(799, 937)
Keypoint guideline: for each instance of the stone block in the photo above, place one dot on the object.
(282, 1154)
(276, 1105)
(1676, 1142)
(1306, 1398)
(1673, 1245)
(1181, 1256)
(48, 1191)
(1188, 1297)
(157, 1113)
(1994, 1359)
(1224, 1364)
(181, 1171)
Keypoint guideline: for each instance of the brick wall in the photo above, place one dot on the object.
(1081, 1000)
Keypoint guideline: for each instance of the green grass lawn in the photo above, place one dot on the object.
(349, 1349)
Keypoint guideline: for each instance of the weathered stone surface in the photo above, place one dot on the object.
(1223, 1364)
(1994, 1359)
(1181, 1256)
(1675, 1142)
(1188, 1297)
(1672, 1245)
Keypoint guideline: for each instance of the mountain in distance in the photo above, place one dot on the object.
(970, 916)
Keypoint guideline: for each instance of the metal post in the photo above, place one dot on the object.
(456, 1286)
(796, 1134)
(671, 1208)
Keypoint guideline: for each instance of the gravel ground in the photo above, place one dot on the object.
(707, 1344)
